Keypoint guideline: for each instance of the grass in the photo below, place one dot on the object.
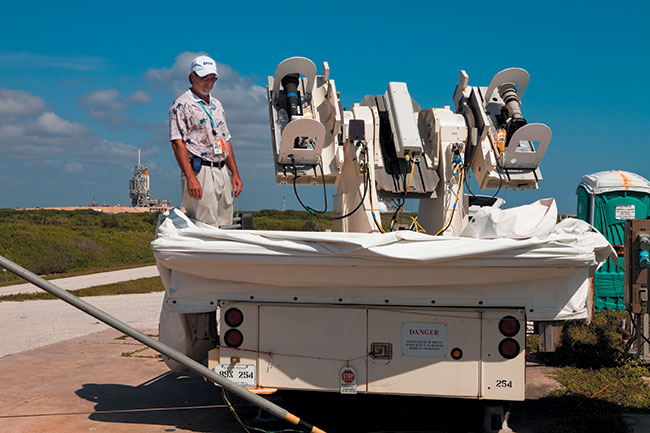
(49, 242)
(600, 380)
(142, 285)
(271, 219)
(66, 243)
(622, 386)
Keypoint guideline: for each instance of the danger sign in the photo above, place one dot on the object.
(348, 378)
(424, 339)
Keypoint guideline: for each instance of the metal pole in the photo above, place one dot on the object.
(157, 346)
(639, 337)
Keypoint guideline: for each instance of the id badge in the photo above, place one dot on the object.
(219, 146)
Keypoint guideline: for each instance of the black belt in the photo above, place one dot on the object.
(217, 164)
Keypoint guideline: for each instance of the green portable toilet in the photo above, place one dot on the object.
(606, 200)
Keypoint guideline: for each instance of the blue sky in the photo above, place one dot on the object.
(83, 86)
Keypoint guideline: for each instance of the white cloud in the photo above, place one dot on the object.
(59, 143)
(50, 123)
(139, 97)
(104, 104)
(73, 167)
(40, 61)
(177, 74)
(16, 104)
(109, 106)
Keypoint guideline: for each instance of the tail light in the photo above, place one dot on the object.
(233, 338)
(509, 326)
(233, 317)
(509, 348)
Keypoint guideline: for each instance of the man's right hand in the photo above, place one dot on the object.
(194, 187)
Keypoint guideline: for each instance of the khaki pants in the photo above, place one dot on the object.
(215, 206)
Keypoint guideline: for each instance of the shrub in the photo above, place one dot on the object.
(595, 345)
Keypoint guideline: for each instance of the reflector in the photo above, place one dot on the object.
(509, 348)
(509, 326)
(233, 317)
(233, 338)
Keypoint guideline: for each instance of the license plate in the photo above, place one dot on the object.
(241, 374)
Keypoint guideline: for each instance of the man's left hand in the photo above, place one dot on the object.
(237, 185)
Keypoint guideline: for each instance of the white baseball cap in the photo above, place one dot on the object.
(204, 65)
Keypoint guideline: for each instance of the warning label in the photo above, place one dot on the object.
(348, 378)
(625, 212)
(424, 339)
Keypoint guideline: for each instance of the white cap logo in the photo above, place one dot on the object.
(204, 65)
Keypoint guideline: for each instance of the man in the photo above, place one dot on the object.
(201, 143)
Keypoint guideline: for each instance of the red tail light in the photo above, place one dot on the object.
(509, 348)
(233, 317)
(509, 326)
(233, 338)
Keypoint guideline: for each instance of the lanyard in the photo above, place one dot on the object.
(214, 132)
(218, 145)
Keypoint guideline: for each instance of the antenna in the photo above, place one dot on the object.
(138, 156)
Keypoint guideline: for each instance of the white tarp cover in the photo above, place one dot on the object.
(614, 180)
(541, 266)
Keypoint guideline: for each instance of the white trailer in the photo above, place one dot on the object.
(368, 309)
(409, 313)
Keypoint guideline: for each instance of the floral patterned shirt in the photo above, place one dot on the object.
(190, 122)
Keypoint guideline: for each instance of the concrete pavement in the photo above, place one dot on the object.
(105, 382)
(84, 281)
(33, 324)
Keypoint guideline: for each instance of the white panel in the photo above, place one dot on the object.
(425, 375)
(402, 121)
(310, 345)
(502, 379)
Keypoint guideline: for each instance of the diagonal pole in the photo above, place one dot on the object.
(188, 362)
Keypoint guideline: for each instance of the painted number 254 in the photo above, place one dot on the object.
(503, 383)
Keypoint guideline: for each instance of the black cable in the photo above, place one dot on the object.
(322, 173)
(379, 227)
(393, 220)
(295, 176)
(318, 214)
(636, 330)
(500, 181)
(467, 182)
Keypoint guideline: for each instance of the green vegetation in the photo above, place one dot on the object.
(65, 243)
(600, 380)
(594, 346)
(292, 220)
(54, 242)
(142, 285)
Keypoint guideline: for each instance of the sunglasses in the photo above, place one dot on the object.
(206, 79)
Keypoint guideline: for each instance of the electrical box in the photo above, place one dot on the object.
(637, 262)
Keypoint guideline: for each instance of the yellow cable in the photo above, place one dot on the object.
(232, 409)
(451, 214)
(415, 224)
(405, 192)
(372, 209)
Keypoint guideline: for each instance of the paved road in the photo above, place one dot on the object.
(32, 324)
(83, 281)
